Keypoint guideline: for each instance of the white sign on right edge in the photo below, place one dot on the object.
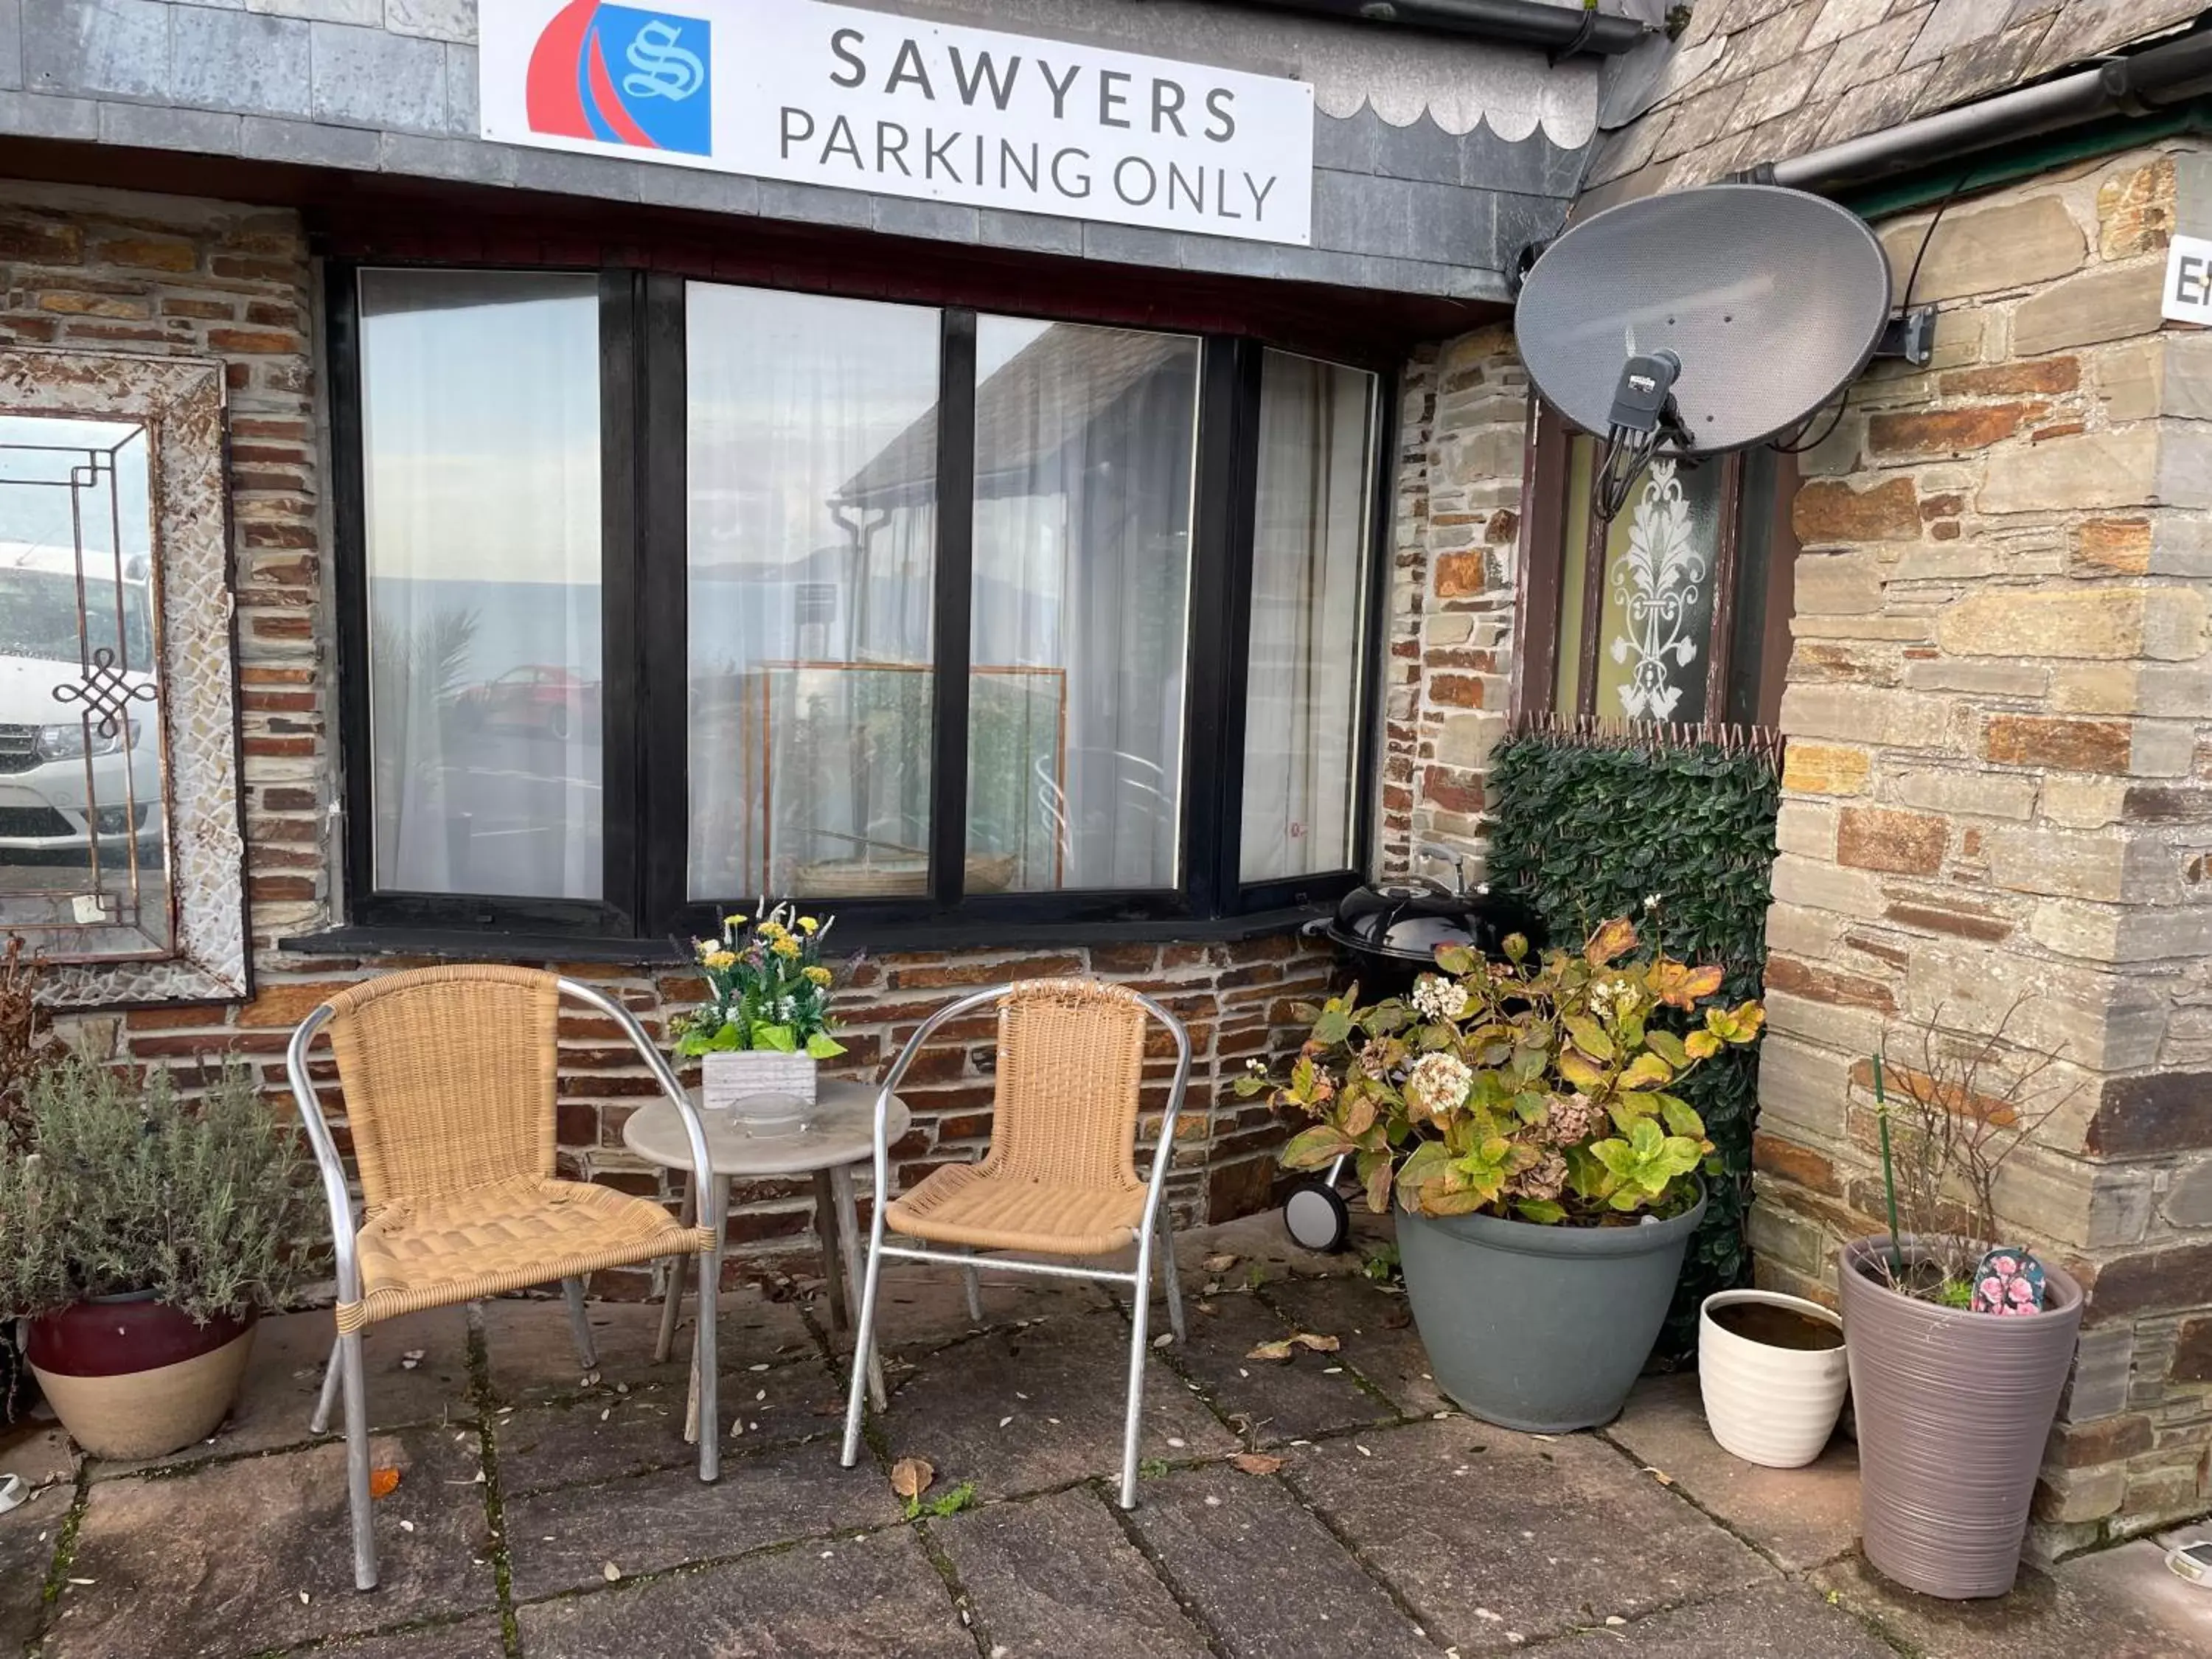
(2187, 297)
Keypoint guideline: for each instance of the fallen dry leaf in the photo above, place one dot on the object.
(1256, 1462)
(610, 1572)
(910, 1477)
(1660, 1475)
(1317, 1342)
(1271, 1351)
(1218, 1264)
(382, 1483)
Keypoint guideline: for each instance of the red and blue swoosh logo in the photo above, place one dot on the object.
(622, 74)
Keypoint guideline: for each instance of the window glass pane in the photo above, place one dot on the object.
(480, 441)
(1659, 559)
(1083, 440)
(1574, 574)
(812, 444)
(1308, 598)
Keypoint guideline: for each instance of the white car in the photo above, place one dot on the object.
(61, 779)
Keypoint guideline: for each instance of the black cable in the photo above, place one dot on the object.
(1912, 277)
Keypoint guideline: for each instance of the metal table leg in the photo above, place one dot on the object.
(829, 1227)
(854, 1251)
(709, 1299)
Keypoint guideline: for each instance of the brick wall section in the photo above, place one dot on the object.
(114, 271)
(107, 270)
(1463, 421)
(1999, 783)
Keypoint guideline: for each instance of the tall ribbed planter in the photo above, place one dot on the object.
(1541, 1329)
(1953, 1410)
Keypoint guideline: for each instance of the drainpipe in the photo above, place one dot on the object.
(2171, 73)
(1565, 30)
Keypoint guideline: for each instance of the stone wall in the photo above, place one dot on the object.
(110, 270)
(1999, 788)
(1462, 426)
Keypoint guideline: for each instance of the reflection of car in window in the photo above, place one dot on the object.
(533, 698)
(62, 780)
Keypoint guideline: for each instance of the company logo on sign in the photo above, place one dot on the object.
(623, 76)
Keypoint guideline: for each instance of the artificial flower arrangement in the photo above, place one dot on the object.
(767, 988)
(1536, 1090)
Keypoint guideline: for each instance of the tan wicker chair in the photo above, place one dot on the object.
(449, 1080)
(1059, 1178)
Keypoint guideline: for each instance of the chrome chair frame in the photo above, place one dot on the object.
(1155, 1222)
(346, 1368)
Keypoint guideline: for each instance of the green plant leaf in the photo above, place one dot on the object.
(1311, 1148)
(777, 1039)
(823, 1046)
(1542, 1211)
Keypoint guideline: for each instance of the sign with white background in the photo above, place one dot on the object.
(857, 99)
(2188, 294)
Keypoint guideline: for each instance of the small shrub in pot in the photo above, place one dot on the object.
(1520, 1116)
(140, 1233)
(1953, 1405)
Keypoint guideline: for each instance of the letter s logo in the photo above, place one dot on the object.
(660, 67)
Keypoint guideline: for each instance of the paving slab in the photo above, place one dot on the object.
(1773, 1621)
(1800, 1517)
(598, 1439)
(532, 1355)
(417, 1372)
(565, 1539)
(258, 1554)
(2135, 1576)
(1376, 1329)
(28, 1537)
(879, 1597)
(1262, 1241)
(38, 1449)
(1056, 1579)
(1306, 1394)
(1024, 1410)
(1527, 1536)
(476, 1637)
(1264, 1575)
(2042, 1617)
(922, 1306)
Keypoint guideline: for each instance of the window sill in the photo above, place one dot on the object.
(468, 945)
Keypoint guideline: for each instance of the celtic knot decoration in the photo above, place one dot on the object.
(1656, 582)
(105, 693)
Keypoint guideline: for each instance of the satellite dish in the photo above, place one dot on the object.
(1707, 320)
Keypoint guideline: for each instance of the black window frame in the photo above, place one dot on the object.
(644, 596)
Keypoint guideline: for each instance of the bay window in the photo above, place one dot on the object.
(662, 593)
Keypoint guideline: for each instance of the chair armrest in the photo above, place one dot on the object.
(1163, 1154)
(331, 1166)
(694, 1127)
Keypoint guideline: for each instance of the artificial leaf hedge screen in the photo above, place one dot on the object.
(1588, 824)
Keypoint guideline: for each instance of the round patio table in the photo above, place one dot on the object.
(841, 1134)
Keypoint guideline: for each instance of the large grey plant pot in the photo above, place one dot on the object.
(1541, 1329)
(1954, 1409)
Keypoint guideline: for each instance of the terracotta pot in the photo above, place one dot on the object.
(131, 1377)
(1769, 1405)
(1954, 1409)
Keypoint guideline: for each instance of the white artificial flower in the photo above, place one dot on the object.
(1437, 998)
(1651, 901)
(1438, 1084)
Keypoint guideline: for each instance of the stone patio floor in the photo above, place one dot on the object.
(557, 1515)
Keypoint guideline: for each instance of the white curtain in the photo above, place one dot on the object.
(1308, 563)
(1083, 441)
(480, 438)
(812, 429)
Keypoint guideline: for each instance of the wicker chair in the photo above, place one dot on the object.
(1059, 1178)
(448, 1075)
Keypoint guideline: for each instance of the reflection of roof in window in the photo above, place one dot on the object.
(1045, 396)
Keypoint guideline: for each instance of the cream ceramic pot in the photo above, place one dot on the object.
(1770, 1405)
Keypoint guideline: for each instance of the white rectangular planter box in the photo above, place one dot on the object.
(727, 1077)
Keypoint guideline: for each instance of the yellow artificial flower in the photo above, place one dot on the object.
(819, 975)
(807, 924)
(719, 959)
(771, 929)
(735, 921)
(785, 946)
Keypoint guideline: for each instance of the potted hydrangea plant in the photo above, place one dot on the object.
(765, 1027)
(1520, 1115)
(140, 1233)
